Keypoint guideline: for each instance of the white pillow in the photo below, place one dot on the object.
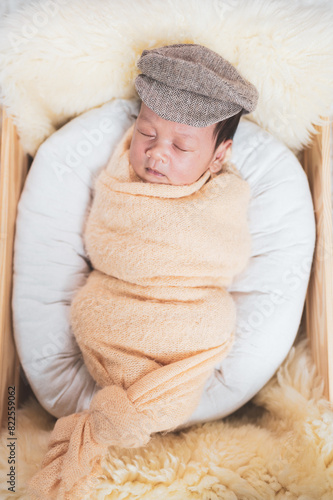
(50, 262)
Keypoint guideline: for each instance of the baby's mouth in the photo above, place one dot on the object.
(154, 172)
(152, 167)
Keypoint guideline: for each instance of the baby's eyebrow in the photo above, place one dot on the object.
(184, 134)
(143, 118)
(190, 141)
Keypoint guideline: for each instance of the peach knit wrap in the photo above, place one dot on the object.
(154, 316)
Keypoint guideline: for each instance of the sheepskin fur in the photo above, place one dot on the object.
(59, 58)
(278, 447)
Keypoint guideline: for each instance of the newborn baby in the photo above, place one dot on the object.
(166, 234)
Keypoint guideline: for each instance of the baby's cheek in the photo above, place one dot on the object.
(135, 155)
(186, 171)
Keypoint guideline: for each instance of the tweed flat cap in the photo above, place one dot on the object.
(191, 84)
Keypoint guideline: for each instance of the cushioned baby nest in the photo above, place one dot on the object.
(50, 262)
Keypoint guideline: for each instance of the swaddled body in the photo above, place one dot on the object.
(163, 256)
(166, 235)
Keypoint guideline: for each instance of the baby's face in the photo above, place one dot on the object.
(167, 152)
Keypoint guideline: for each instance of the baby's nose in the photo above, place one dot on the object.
(157, 153)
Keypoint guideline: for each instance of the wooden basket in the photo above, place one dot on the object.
(13, 171)
(318, 307)
(319, 299)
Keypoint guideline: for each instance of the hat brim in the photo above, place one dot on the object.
(183, 106)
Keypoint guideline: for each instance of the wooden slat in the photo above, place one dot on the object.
(319, 301)
(13, 171)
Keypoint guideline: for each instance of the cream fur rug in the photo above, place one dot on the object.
(281, 447)
(59, 58)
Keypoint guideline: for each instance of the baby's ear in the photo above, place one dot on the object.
(221, 156)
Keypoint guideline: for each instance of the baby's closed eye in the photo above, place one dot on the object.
(181, 149)
(146, 134)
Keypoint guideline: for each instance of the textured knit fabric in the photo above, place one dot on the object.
(154, 317)
(189, 83)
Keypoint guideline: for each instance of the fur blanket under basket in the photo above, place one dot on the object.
(278, 447)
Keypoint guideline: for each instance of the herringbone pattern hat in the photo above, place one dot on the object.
(191, 84)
